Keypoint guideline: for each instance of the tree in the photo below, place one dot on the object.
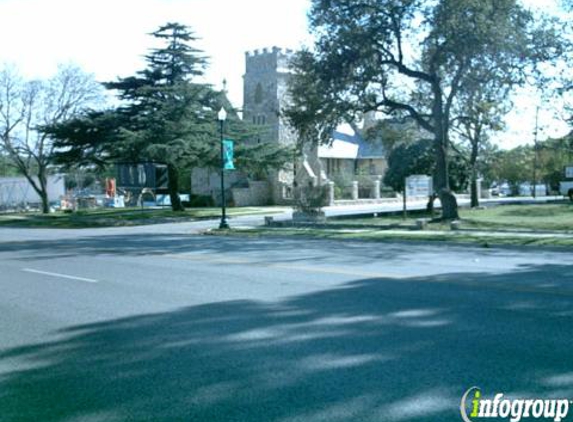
(479, 110)
(26, 106)
(7, 167)
(553, 155)
(519, 165)
(412, 58)
(514, 166)
(166, 116)
(95, 139)
(407, 159)
(91, 139)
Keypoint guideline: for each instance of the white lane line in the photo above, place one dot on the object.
(70, 277)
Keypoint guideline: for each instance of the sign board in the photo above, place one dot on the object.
(569, 172)
(419, 185)
(228, 155)
(142, 175)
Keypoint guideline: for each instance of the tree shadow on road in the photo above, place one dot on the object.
(369, 350)
(268, 249)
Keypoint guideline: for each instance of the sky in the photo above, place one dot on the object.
(109, 38)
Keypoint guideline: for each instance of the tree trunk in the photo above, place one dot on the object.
(40, 186)
(441, 144)
(474, 199)
(449, 205)
(447, 198)
(173, 186)
(430, 204)
(45, 202)
(43, 192)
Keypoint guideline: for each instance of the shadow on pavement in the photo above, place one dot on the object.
(137, 245)
(369, 350)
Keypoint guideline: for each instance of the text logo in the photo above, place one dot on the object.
(474, 407)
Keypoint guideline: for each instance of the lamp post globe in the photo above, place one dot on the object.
(222, 115)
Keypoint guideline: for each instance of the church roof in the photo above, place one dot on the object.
(348, 143)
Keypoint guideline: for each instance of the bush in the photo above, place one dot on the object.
(199, 201)
(342, 185)
(387, 192)
(310, 199)
(338, 192)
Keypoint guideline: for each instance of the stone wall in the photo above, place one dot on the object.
(207, 181)
(258, 193)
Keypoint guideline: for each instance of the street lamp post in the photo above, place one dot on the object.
(222, 116)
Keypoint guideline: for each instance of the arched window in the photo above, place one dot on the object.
(258, 94)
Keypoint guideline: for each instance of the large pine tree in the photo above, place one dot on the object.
(164, 107)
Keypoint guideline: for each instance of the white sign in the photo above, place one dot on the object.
(569, 172)
(419, 185)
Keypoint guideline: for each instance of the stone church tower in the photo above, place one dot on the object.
(265, 94)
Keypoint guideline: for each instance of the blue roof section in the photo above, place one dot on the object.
(366, 149)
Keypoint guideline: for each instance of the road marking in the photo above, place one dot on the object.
(70, 277)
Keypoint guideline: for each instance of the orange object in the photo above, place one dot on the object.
(110, 190)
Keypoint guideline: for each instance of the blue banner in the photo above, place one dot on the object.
(228, 155)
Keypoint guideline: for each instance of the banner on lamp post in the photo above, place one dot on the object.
(228, 154)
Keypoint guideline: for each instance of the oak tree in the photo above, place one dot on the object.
(411, 58)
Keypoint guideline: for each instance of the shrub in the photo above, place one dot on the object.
(198, 201)
(310, 199)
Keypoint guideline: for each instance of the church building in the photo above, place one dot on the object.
(265, 95)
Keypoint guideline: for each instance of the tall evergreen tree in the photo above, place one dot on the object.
(165, 114)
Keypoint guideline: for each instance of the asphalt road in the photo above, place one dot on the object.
(127, 325)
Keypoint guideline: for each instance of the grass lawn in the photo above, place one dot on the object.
(111, 217)
(531, 217)
(374, 235)
(520, 225)
(553, 217)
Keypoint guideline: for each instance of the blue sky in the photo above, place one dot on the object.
(108, 38)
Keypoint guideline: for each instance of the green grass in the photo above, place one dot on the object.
(112, 217)
(543, 217)
(552, 217)
(502, 225)
(413, 236)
